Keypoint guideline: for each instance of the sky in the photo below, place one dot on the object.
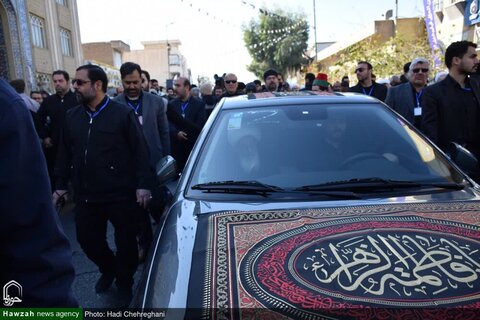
(211, 30)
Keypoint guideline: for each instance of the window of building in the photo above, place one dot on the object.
(66, 42)
(62, 2)
(38, 31)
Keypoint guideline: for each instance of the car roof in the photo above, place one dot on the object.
(263, 99)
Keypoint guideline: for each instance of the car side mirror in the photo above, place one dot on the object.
(464, 159)
(166, 170)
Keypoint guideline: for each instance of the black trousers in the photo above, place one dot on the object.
(91, 223)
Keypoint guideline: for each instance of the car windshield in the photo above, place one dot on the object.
(294, 146)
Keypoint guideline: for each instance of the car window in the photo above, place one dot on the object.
(297, 145)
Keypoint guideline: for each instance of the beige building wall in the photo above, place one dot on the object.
(48, 59)
(154, 59)
(99, 51)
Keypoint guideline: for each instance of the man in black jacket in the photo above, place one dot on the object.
(34, 252)
(104, 152)
(450, 109)
(51, 117)
(366, 85)
(193, 111)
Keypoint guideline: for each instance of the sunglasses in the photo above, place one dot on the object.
(80, 82)
(359, 70)
(230, 81)
(417, 70)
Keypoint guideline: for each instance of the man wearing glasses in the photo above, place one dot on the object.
(406, 98)
(451, 108)
(104, 153)
(365, 83)
(231, 85)
(51, 117)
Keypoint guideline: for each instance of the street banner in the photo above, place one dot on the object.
(432, 31)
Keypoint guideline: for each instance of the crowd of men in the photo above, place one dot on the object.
(105, 148)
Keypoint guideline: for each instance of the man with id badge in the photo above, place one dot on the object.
(406, 98)
(104, 153)
(192, 111)
(150, 110)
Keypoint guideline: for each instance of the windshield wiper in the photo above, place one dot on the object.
(257, 187)
(231, 186)
(375, 184)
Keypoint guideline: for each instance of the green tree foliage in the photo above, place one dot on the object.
(278, 41)
(386, 58)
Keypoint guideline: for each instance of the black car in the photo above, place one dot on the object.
(316, 206)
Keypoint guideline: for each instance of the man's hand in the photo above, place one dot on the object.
(143, 197)
(181, 135)
(47, 142)
(59, 194)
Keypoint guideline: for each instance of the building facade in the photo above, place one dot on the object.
(162, 59)
(38, 37)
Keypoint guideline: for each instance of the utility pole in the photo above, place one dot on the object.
(168, 52)
(396, 10)
(315, 29)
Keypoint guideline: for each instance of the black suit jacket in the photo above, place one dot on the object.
(445, 119)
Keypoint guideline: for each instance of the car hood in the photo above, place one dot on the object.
(311, 260)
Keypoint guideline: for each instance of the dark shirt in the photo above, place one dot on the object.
(51, 115)
(136, 105)
(376, 90)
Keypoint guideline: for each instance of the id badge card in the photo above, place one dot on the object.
(417, 111)
(140, 119)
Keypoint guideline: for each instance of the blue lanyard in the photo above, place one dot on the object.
(135, 109)
(94, 114)
(184, 108)
(370, 92)
(467, 89)
(418, 95)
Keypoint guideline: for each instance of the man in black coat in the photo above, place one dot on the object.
(451, 109)
(104, 153)
(365, 83)
(35, 255)
(193, 111)
(51, 117)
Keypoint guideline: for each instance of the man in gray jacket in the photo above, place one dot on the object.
(406, 98)
(151, 113)
(150, 110)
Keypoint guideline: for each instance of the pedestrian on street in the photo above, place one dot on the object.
(104, 153)
(192, 110)
(451, 108)
(35, 254)
(366, 84)
(51, 117)
(150, 110)
(406, 98)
